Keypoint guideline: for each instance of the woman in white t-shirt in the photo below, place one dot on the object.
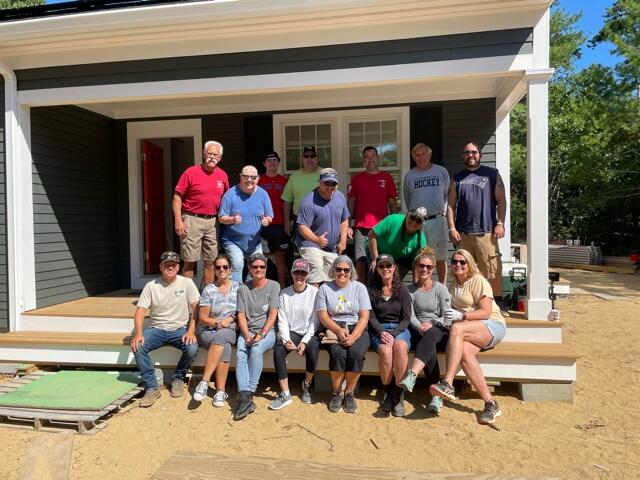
(477, 326)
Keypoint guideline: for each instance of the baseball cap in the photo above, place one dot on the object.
(309, 148)
(272, 155)
(169, 257)
(329, 175)
(384, 258)
(420, 213)
(300, 265)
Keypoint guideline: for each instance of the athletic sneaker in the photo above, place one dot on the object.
(398, 402)
(350, 405)
(219, 398)
(335, 403)
(177, 388)
(244, 406)
(150, 397)
(435, 405)
(281, 401)
(409, 381)
(443, 389)
(490, 413)
(201, 391)
(306, 393)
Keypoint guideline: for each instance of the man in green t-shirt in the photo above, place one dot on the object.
(299, 185)
(398, 235)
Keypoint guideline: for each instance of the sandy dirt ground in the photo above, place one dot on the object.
(596, 437)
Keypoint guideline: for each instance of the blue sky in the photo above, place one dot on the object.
(591, 22)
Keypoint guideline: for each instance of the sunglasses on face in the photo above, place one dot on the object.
(470, 152)
(342, 270)
(386, 266)
(302, 273)
(309, 155)
(458, 262)
(222, 267)
(250, 177)
(415, 219)
(330, 184)
(259, 267)
(423, 266)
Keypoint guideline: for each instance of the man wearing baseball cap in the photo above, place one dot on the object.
(299, 185)
(171, 301)
(323, 222)
(298, 327)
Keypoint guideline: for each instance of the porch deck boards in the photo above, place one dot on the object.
(116, 304)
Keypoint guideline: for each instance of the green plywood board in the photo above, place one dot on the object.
(72, 390)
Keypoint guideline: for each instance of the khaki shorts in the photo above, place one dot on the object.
(437, 235)
(484, 249)
(201, 238)
(320, 263)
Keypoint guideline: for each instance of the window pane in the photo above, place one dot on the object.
(292, 137)
(395, 174)
(324, 157)
(372, 133)
(323, 135)
(293, 159)
(388, 155)
(355, 156)
(307, 135)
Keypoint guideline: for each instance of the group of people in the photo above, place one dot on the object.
(326, 306)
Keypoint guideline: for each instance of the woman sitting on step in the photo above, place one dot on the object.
(477, 326)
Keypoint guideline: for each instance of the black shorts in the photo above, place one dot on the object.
(275, 237)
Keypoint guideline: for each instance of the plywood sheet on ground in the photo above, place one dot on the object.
(48, 456)
(210, 465)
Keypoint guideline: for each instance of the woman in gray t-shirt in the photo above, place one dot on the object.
(431, 331)
(343, 308)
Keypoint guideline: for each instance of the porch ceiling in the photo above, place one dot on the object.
(319, 97)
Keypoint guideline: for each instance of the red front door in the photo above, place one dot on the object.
(153, 196)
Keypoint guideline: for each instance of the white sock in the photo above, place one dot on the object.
(286, 393)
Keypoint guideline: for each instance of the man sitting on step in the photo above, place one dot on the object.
(171, 301)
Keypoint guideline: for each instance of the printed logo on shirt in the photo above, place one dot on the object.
(344, 306)
(422, 182)
(480, 182)
(383, 183)
(220, 184)
(178, 293)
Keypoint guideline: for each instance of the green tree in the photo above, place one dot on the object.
(6, 4)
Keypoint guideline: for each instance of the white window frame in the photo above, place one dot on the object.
(339, 120)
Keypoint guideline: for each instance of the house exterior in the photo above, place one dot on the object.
(80, 92)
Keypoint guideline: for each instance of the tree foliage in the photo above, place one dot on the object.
(594, 139)
(6, 4)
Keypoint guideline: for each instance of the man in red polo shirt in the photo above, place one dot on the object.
(195, 209)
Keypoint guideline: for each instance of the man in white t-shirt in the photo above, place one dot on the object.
(171, 301)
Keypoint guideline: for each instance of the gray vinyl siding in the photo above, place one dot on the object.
(304, 59)
(228, 129)
(465, 121)
(77, 205)
(4, 306)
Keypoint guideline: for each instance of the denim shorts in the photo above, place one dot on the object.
(404, 336)
(497, 330)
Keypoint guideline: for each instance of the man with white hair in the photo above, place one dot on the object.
(245, 209)
(195, 206)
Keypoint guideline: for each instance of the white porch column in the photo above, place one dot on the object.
(538, 303)
(503, 164)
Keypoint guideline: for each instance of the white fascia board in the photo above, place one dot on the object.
(327, 79)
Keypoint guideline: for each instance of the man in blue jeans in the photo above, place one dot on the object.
(171, 301)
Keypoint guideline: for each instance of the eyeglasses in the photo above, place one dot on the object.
(309, 155)
(470, 152)
(214, 155)
(342, 270)
(250, 177)
(222, 267)
(415, 219)
(458, 262)
(422, 266)
(171, 265)
(300, 272)
(386, 266)
(330, 184)
(259, 267)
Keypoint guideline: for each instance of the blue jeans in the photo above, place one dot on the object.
(237, 256)
(249, 361)
(154, 338)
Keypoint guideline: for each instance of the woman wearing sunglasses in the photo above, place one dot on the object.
(298, 327)
(343, 308)
(258, 301)
(388, 329)
(430, 331)
(217, 329)
(477, 326)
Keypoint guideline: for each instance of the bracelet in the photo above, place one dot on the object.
(452, 229)
(499, 223)
(263, 333)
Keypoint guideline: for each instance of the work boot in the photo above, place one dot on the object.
(150, 397)
(398, 402)
(387, 400)
(177, 388)
(244, 405)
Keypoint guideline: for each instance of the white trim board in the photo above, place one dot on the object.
(137, 131)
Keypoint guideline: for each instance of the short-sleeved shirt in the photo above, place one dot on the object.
(322, 216)
(393, 239)
(222, 305)
(467, 296)
(476, 207)
(372, 193)
(298, 187)
(169, 304)
(202, 190)
(343, 304)
(429, 305)
(427, 188)
(274, 186)
(246, 234)
(256, 303)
